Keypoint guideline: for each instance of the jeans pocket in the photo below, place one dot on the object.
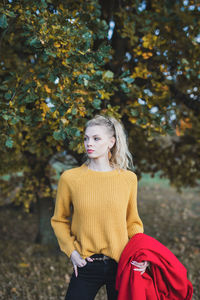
(83, 266)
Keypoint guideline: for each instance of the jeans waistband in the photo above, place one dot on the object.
(100, 255)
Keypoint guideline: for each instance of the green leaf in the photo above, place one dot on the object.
(8, 95)
(77, 133)
(30, 98)
(124, 88)
(14, 120)
(128, 79)
(6, 117)
(127, 72)
(85, 82)
(3, 87)
(108, 75)
(9, 142)
(57, 135)
(10, 14)
(96, 103)
(134, 112)
(83, 78)
(52, 77)
(50, 53)
(184, 61)
(42, 21)
(44, 3)
(3, 21)
(74, 111)
(45, 57)
(87, 35)
(10, 131)
(105, 25)
(35, 42)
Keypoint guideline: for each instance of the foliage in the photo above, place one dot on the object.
(52, 72)
(58, 68)
(52, 79)
(162, 57)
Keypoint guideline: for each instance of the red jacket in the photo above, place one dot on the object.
(166, 279)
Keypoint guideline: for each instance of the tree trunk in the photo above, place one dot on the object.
(45, 235)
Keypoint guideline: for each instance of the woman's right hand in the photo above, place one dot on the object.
(77, 260)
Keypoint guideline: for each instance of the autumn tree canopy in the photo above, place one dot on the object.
(64, 61)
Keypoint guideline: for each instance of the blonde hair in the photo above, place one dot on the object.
(121, 157)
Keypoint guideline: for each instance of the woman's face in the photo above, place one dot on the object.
(97, 139)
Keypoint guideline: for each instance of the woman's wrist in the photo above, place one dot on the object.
(74, 251)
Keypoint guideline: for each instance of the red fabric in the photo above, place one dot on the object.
(167, 279)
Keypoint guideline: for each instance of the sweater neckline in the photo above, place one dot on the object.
(99, 173)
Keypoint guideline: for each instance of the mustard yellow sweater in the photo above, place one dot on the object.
(105, 214)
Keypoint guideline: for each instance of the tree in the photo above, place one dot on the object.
(59, 67)
(157, 44)
(49, 86)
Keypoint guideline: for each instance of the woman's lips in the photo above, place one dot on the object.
(90, 151)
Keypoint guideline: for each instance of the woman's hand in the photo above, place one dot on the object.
(77, 260)
(141, 266)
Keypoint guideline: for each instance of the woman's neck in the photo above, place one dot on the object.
(103, 168)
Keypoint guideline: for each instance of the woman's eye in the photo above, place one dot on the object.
(94, 138)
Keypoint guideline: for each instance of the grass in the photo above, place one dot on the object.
(30, 271)
(147, 180)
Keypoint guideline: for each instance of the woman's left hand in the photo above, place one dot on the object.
(141, 266)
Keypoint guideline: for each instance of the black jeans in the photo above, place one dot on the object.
(91, 278)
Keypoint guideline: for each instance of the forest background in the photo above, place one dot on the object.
(62, 62)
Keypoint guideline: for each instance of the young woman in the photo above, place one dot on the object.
(102, 193)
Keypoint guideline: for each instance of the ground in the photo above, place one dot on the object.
(33, 272)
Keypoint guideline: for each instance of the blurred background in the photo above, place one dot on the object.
(62, 62)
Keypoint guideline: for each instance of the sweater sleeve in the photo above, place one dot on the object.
(60, 220)
(134, 223)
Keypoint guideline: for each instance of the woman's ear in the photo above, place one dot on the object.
(113, 141)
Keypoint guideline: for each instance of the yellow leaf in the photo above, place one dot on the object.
(56, 44)
(58, 147)
(64, 63)
(184, 124)
(140, 71)
(22, 109)
(69, 110)
(24, 265)
(146, 55)
(44, 107)
(105, 95)
(83, 92)
(55, 114)
(65, 121)
(133, 120)
(139, 52)
(61, 7)
(81, 52)
(48, 90)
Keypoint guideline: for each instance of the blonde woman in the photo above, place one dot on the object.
(103, 195)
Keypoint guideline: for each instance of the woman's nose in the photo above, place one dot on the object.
(89, 145)
(89, 142)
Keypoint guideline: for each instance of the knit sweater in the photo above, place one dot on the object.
(105, 214)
